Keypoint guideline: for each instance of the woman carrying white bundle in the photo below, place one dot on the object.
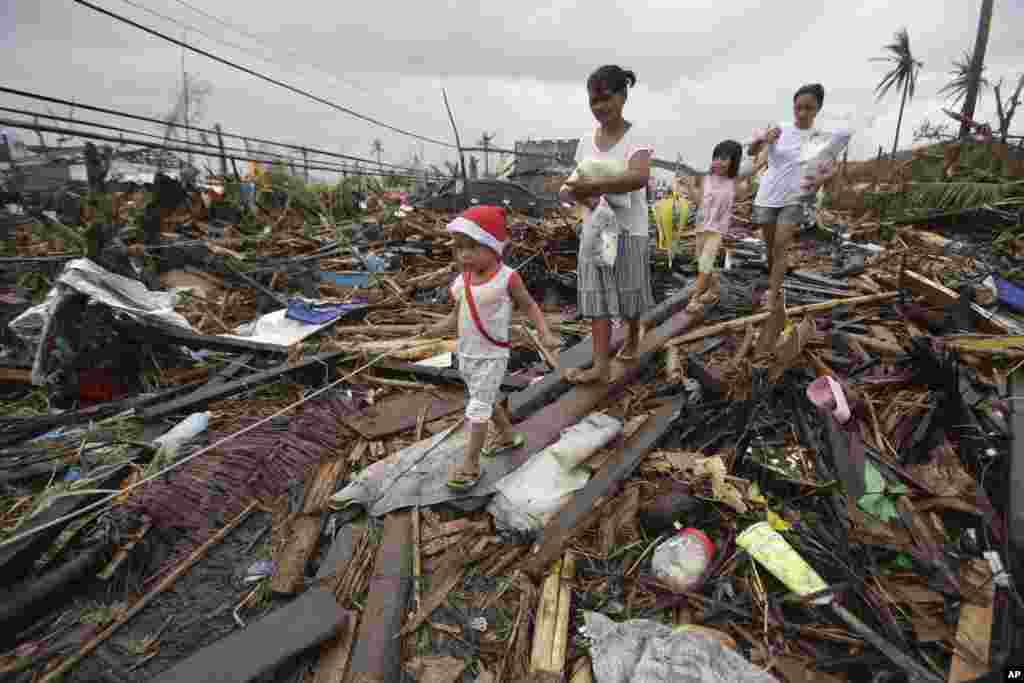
(622, 290)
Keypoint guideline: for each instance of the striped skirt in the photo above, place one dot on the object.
(622, 291)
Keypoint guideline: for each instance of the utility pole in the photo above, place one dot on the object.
(184, 92)
(485, 142)
(977, 63)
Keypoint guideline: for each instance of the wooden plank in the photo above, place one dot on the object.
(218, 391)
(445, 578)
(938, 294)
(303, 531)
(169, 334)
(579, 512)
(973, 633)
(16, 375)
(623, 517)
(401, 413)
(266, 644)
(377, 653)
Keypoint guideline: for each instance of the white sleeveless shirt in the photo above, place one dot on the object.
(494, 306)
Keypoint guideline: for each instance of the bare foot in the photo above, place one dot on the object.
(464, 476)
(628, 352)
(594, 375)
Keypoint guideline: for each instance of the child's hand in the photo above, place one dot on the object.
(771, 136)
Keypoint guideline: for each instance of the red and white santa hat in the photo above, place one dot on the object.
(483, 224)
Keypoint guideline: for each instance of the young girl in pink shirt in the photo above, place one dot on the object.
(715, 196)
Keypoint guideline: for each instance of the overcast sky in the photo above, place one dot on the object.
(708, 69)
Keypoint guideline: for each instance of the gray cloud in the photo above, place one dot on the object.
(708, 70)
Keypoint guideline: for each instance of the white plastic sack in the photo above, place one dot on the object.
(604, 168)
(817, 156)
(528, 497)
(644, 651)
(599, 240)
(193, 425)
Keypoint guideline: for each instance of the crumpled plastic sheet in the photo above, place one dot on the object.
(644, 651)
(418, 475)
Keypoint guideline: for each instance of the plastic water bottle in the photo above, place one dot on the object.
(681, 561)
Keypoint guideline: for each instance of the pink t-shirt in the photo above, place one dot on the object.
(716, 207)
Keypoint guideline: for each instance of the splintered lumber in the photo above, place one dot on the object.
(740, 323)
(939, 295)
(581, 671)
(551, 630)
(16, 375)
(574, 518)
(1014, 509)
(973, 634)
(303, 530)
(264, 645)
(446, 578)
(169, 333)
(377, 653)
(142, 602)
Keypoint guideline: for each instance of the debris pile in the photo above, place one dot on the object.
(220, 419)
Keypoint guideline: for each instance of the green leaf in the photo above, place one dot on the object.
(874, 482)
(903, 561)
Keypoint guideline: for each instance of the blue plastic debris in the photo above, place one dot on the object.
(356, 279)
(318, 314)
(73, 474)
(1009, 294)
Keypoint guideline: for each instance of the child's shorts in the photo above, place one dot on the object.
(483, 378)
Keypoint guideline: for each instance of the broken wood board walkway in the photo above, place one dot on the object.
(418, 475)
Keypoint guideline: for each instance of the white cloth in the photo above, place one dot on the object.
(788, 161)
(494, 306)
(634, 218)
(483, 377)
(782, 179)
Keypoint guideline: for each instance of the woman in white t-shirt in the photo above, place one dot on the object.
(784, 201)
(624, 289)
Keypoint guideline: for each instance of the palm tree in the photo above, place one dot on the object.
(903, 75)
(974, 82)
(962, 73)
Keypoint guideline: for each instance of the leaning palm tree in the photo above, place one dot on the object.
(903, 75)
(963, 73)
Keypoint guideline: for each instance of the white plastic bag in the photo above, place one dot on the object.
(644, 651)
(599, 240)
(604, 168)
(817, 156)
(528, 497)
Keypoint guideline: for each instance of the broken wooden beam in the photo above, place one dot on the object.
(576, 515)
(377, 653)
(303, 531)
(402, 412)
(939, 295)
(332, 664)
(169, 334)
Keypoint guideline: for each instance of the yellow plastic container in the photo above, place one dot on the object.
(768, 547)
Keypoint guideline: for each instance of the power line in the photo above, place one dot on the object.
(208, 131)
(204, 148)
(177, 148)
(268, 79)
(236, 28)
